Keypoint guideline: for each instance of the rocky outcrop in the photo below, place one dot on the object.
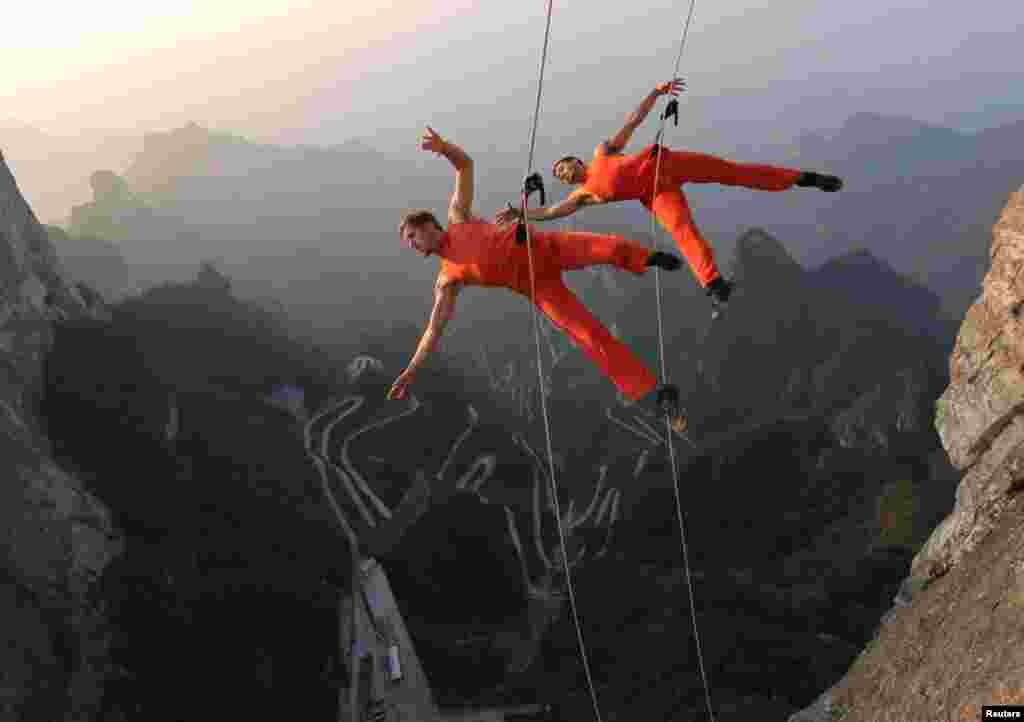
(32, 282)
(951, 643)
(979, 415)
(818, 344)
(113, 212)
(879, 418)
(168, 156)
(56, 537)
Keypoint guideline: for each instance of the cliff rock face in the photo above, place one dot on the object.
(953, 641)
(32, 283)
(979, 415)
(55, 538)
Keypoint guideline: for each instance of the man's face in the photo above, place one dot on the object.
(425, 239)
(570, 172)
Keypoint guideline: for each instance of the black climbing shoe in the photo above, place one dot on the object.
(828, 183)
(719, 290)
(668, 398)
(668, 404)
(664, 261)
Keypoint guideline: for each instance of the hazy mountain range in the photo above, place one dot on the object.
(919, 197)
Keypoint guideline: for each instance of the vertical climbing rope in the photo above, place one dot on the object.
(540, 378)
(664, 379)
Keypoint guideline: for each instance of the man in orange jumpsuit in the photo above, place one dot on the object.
(612, 176)
(475, 252)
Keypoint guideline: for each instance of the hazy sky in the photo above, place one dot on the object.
(323, 72)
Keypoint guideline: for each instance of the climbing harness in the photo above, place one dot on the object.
(673, 110)
(531, 183)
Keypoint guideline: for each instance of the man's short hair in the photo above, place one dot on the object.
(420, 217)
(561, 160)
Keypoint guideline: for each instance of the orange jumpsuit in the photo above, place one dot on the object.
(617, 177)
(478, 253)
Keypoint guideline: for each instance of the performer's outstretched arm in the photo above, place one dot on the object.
(444, 307)
(460, 208)
(573, 202)
(617, 142)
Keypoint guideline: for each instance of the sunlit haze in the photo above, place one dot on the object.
(323, 71)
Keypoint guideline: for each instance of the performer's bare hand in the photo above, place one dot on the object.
(674, 87)
(507, 215)
(431, 141)
(401, 385)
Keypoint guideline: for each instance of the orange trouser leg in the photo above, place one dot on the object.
(573, 250)
(673, 212)
(680, 167)
(612, 356)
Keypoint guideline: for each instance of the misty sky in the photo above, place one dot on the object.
(324, 72)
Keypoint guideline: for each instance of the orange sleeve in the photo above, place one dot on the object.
(446, 274)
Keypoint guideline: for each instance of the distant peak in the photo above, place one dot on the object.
(756, 248)
(357, 144)
(190, 128)
(878, 125)
(859, 256)
(758, 240)
(865, 266)
(13, 124)
(192, 133)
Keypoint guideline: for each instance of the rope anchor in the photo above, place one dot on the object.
(672, 111)
(532, 182)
